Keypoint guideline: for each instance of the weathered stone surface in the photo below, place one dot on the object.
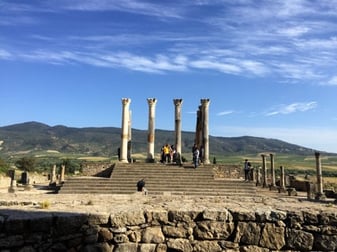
(243, 215)
(272, 237)
(161, 248)
(153, 235)
(98, 219)
(104, 234)
(99, 247)
(175, 232)
(157, 217)
(181, 245)
(11, 241)
(299, 240)
(231, 246)
(248, 233)
(134, 235)
(139, 225)
(294, 219)
(126, 247)
(310, 218)
(27, 249)
(325, 242)
(130, 218)
(206, 246)
(146, 247)
(216, 215)
(120, 238)
(327, 218)
(66, 223)
(263, 215)
(182, 216)
(210, 230)
(252, 248)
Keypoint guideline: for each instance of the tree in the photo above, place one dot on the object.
(4, 166)
(26, 163)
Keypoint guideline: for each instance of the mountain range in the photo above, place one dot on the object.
(30, 137)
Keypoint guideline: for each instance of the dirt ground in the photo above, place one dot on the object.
(265, 200)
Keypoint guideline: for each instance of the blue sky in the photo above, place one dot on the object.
(268, 67)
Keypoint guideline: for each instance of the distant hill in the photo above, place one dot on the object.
(104, 141)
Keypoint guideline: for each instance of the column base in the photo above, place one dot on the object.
(150, 160)
(320, 196)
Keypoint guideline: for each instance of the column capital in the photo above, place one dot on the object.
(151, 101)
(126, 101)
(177, 102)
(204, 102)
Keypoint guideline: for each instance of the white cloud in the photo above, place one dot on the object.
(333, 81)
(226, 112)
(5, 54)
(131, 6)
(215, 65)
(292, 108)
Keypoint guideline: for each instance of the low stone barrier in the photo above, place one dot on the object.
(162, 230)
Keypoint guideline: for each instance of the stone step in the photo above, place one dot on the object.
(160, 179)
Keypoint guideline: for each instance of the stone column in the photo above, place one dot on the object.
(258, 176)
(198, 129)
(53, 175)
(272, 171)
(282, 187)
(125, 131)
(205, 142)
(264, 171)
(129, 137)
(151, 129)
(63, 168)
(319, 194)
(177, 125)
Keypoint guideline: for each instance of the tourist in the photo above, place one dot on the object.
(196, 157)
(141, 186)
(246, 168)
(167, 150)
(172, 154)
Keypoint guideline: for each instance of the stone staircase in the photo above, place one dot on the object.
(160, 179)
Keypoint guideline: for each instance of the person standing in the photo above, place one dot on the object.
(196, 157)
(246, 168)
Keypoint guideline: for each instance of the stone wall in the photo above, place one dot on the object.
(157, 231)
(98, 169)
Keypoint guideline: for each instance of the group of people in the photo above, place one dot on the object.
(168, 154)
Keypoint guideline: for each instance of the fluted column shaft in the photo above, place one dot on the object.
(319, 194)
(125, 130)
(264, 171)
(205, 107)
(272, 170)
(177, 124)
(151, 129)
(282, 179)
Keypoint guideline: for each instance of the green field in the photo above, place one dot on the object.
(296, 164)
